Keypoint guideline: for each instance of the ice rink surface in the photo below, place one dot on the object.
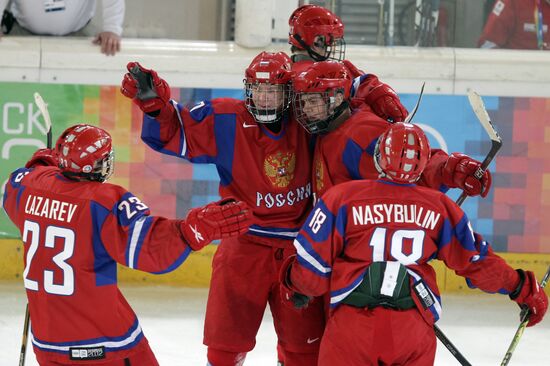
(481, 326)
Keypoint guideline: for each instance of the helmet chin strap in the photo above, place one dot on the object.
(314, 55)
(337, 113)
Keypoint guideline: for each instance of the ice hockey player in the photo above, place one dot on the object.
(317, 34)
(346, 140)
(368, 244)
(76, 228)
(263, 158)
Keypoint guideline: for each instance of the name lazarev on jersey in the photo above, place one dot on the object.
(49, 208)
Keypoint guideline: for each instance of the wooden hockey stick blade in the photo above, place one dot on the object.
(523, 324)
(411, 115)
(479, 109)
(496, 141)
(43, 108)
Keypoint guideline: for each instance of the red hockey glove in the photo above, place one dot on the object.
(216, 220)
(531, 296)
(386, 104)
(145, 87)
(42, 157)
(458, 172)
(291, 298)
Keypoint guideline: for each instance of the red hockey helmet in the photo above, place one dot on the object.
(267, 86)
(321, 94)
(85, 152)
(402, 153)
(318, 31)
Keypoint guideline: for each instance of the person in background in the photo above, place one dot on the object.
(76, 227)
(65, 18)
(517, 24)
(369, 243)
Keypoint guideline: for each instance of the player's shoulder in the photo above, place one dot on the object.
(35, 176)
(228, 105)
(342, 192)
(363, 126)
(105, 194)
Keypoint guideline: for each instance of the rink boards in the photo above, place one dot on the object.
(80, 85)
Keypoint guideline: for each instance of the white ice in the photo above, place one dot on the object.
(481, 327)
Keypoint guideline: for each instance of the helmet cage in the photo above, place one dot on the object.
(275, 92)
(327, 108)
(267, 86)
(334, 49)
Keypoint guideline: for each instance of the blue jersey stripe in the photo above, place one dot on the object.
(225, 132)
(104, 266)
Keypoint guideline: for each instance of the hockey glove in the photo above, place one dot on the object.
(42, 157)
(145, 87)
(529, 295)
(291, 298)
(458, 172)
(216, 220)
(385, 103)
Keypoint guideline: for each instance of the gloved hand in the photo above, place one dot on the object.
(291, 298)
(216, 220)
(384, 101)
(458, 172)
(42, 157)
(145, 87)
(531, 296)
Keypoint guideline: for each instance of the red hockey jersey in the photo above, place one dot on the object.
(361, 222)
(75, 233)
(270, 172)
(347, 154)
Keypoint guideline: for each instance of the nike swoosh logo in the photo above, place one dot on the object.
(247, 126)
(310, 341)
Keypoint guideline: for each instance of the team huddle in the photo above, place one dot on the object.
(331, 209)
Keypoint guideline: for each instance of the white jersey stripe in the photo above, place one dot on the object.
(309, 258)
(108, 344)
(134, 241)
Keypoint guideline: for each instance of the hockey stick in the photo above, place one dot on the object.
(479, 109)
(410, 116)
(496, 141)
(39, 101)
(44, 110)
(524, 319)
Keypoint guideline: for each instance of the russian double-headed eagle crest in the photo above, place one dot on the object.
(279, 168)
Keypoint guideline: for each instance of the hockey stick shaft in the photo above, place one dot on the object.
(524, 320)
(39, 101)
(451, 347)
(25, 337)
(496, 142)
